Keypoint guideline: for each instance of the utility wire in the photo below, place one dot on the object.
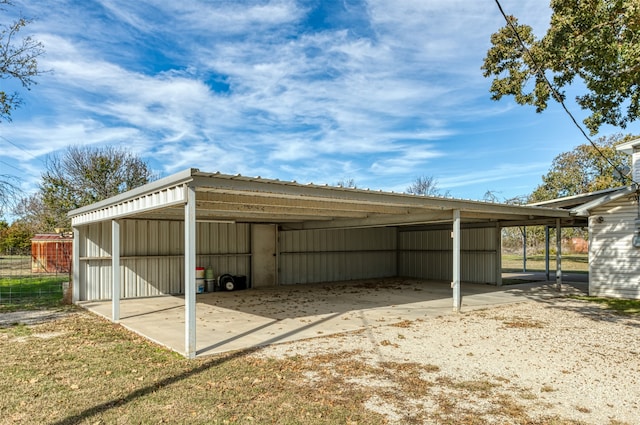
(12, 166)
(20, 148)
(557, 96)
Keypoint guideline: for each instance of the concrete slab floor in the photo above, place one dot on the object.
(227, 321)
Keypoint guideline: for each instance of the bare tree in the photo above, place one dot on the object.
(8, 191)
(426, 186)
(491, 196)
(347, 182)
(83, 175)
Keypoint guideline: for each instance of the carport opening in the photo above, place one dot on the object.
(529, 254)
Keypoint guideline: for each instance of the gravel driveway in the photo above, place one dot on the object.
(554, 358)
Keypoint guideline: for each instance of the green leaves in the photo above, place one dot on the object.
(597, 41)
(584, 170)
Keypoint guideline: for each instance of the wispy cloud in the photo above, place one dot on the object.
(377, 91)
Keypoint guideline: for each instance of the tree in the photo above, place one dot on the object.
(15, 239)
(347, 182)
(426, 186)
(35, 214)
(8, 190)
(584, 169)
(18, 60)
(595, 41)
(83, 175)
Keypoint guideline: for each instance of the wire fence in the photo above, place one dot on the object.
(34, 279)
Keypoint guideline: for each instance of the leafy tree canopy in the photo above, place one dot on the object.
(595, 41)
(15, 239)
(84, 175)
(18, 60)
(584, 170)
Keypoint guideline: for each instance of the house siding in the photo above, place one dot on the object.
(614, 264)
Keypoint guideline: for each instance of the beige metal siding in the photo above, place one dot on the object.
(307, 256)
(428, 254)
(614, 264)
(152, 256)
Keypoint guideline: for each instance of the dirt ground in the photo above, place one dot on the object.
(555, 361)
(554, 358)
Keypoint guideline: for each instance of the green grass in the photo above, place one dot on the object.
(30, 292)
(618, 305)
(574, 263)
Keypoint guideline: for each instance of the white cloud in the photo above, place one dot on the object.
(493, 174)
(310, 104)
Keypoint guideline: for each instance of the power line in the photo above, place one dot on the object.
(20, 148)
(12, 166)
(557, 96)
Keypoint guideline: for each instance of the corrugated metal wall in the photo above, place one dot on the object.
(307, 256)
(428, 254)
(614, 264)
(152, 260)
(152, 256)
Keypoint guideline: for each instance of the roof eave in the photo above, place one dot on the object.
(172, 180)
(584, 209)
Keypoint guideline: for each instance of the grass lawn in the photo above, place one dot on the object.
(619, 305)
(575, 263)
(83, 369)
(19, 293)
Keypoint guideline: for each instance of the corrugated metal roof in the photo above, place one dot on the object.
(222, 197)
(52, 237)
(568, 202)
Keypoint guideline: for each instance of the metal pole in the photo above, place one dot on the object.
(546, 252)
(455, 285)
(498, 255)
(75, 295)
(190, 273)
(524, 249)
(115, 270)
(558, 255)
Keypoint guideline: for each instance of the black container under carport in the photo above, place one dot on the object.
(227, 282)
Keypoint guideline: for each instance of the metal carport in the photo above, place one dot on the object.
(192, 197)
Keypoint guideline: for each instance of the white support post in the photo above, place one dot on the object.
(524, 249)
(115, 270)
(190, 273)
(546, 252)
(498, 254)
(455, 285)
(558, 255)
(75, 296)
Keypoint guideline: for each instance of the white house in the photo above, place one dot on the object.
(614, 236)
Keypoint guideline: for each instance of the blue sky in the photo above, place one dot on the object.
(377, 91)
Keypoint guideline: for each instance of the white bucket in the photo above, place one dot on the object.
(199, 272)
(200, 286)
